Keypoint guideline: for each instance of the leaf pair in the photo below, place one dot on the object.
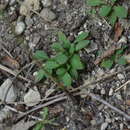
(116, 58)
(113, 13)
(109, 11)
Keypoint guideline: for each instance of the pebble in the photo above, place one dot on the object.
(93, 122)
(11, 96)
(28, 21)
(121, 76)
(12, 2)
(47, 15)
(92, 47)
(47, 3)
(104, 126)
(103, 91)
(111, 92)
(32, 97)
(19, 28)
(123, 40)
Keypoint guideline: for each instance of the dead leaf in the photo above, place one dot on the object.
(10, 62)
(106, 54)
(29, 5)
(118, 31)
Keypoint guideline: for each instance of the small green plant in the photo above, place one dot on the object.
(41, 124)
(64, 66)
(117, 57)
(109, 10)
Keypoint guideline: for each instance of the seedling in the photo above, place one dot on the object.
(111, 11)
(65, 65)
(41, 124)
(115, 58)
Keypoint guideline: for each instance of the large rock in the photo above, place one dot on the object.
(11, 95)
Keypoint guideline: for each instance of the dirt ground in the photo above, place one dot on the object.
(38, 32)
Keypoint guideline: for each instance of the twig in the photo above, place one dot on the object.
(15, 78)
(97, 98)
(106, 54)
(15, 110)
(100, 79)
(42, 100)
(123, 85)
(14, 73)
(40, 106)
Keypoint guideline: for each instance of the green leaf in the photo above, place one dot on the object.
(112, 18)
(122, 61)
(40, 75)
(113, 1)
(95, 2)
(72, 49)
(76, 62)
(107, 63)
(61, 58)
(104, 10)
(81, 36)
(120, 11)
(40, 55)
(60, 71)
(120, 51)
(39, 126)
(82, 44)
(74, 73)
(45, 113)
(57, 47)
(63, 39)
(67, 79)
(51, 65)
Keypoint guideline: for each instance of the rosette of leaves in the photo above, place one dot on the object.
(110, 11)
(116, 58)
(64, 66)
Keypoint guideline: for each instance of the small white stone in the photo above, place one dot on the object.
(111, 92)
(120, 76)
(11, 95)
(103, 91)
(20, 27)
(47, 3)
(122, 40)
(93, 122)
(104, 126)
(32, 97)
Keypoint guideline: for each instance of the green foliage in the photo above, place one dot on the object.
(122, 61)
(120, 11)
(107, 63)
(63, 66)
(109, 10)
(115, 58)
(95, 2)
(41, 124)
(40, 55)
(105, 10)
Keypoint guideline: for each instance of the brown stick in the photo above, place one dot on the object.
(97, 98)
(14, 73)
